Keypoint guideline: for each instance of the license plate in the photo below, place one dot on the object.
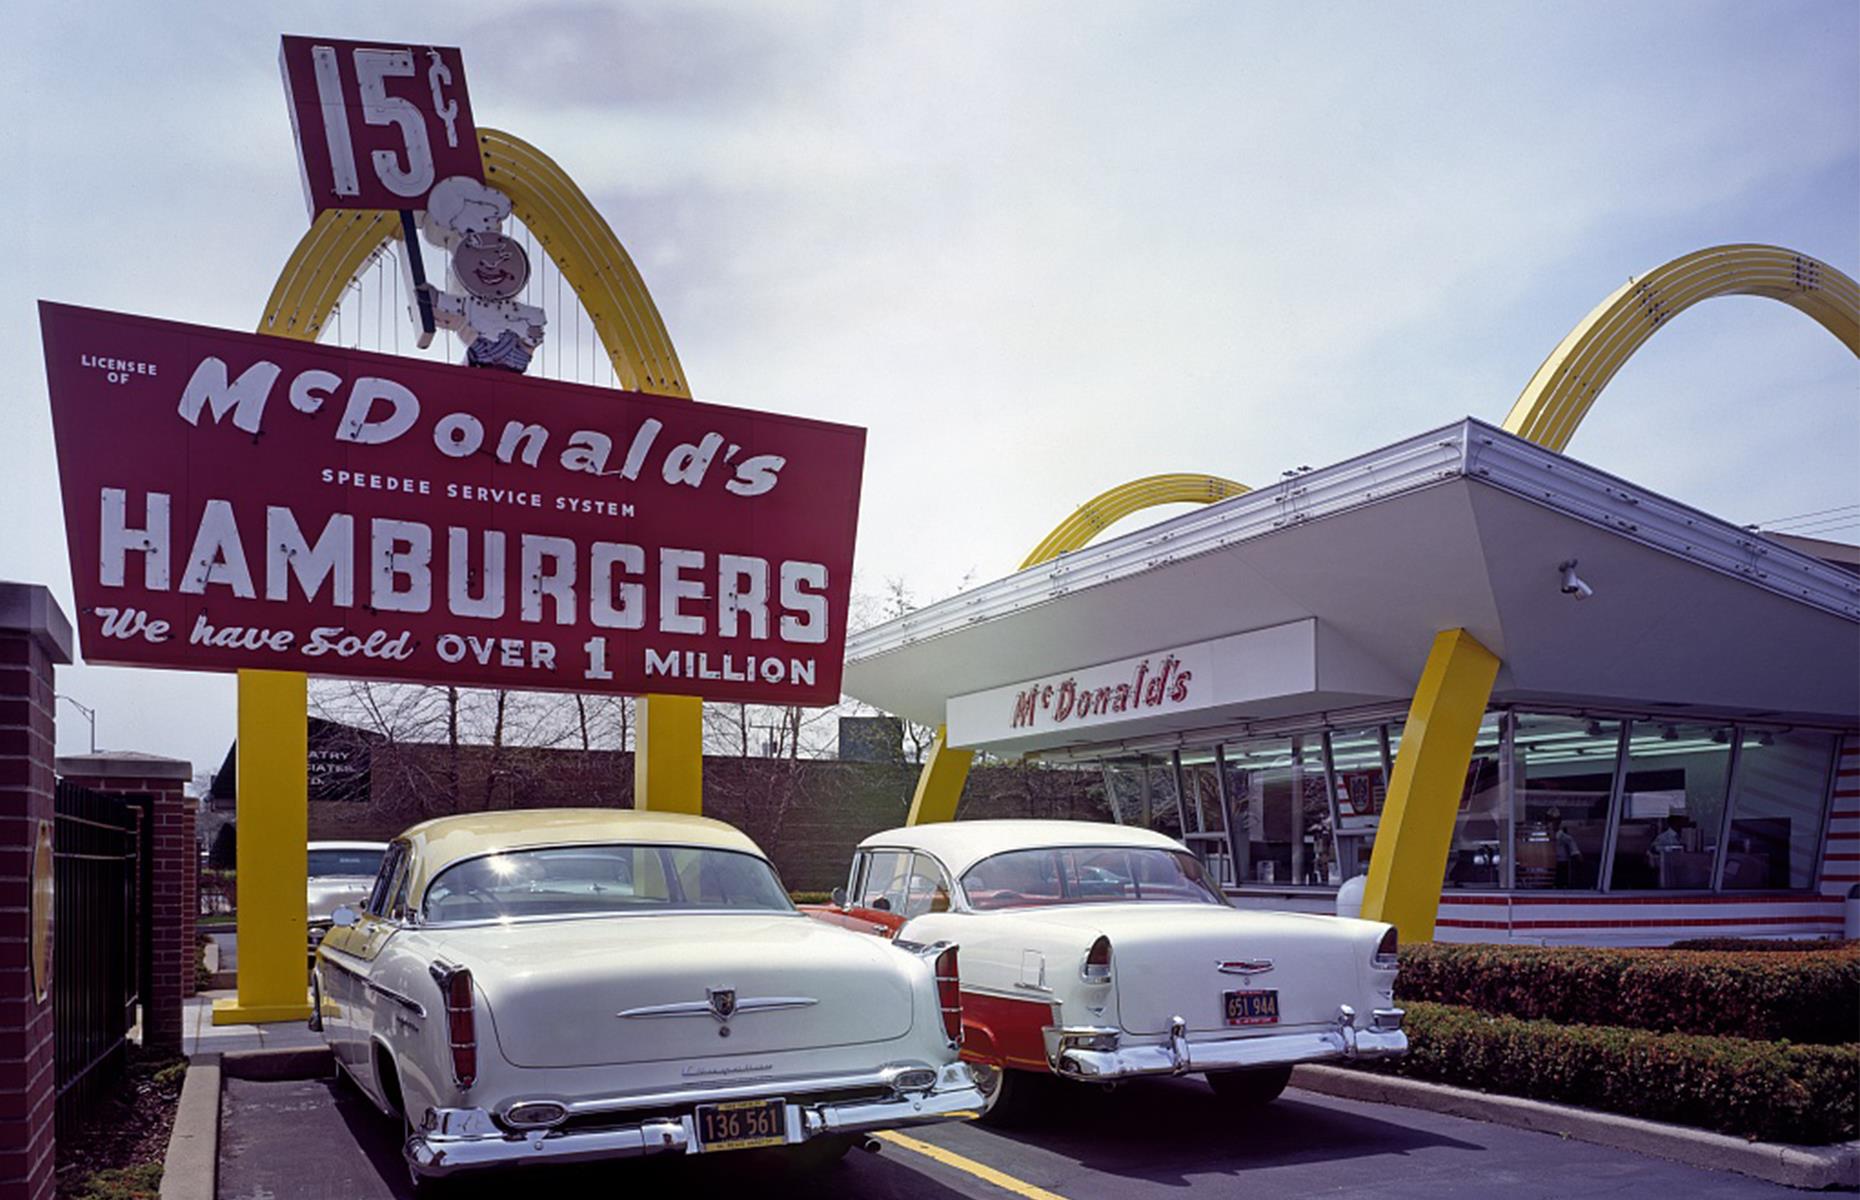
(1259, 1007)
(742, 1124)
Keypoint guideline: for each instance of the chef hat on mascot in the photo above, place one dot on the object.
(459, 207)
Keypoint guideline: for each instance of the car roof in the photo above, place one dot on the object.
(962, 844)
(445, 840)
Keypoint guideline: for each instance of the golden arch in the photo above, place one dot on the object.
(668, 735)
(272, 704)
(946, 768)
(574, 234)
(1560, 394)
(1109, 507)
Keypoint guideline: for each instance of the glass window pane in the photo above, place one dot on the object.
(1672, 806)
(1275, 787)
(602, 879)
(1782, 785)
(1206, 831)
(1564, 773)
(1362, 789)
(929, 892)
(886, 877)
(1482, 825)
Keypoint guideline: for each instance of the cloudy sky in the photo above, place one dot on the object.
(1038, 249)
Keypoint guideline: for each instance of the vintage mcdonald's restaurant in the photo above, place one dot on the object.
(1625, 721)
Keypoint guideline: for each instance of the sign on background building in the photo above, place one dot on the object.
(237, 501)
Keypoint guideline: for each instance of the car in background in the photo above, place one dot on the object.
(568, 985)
(340, 873)
(1099, 953)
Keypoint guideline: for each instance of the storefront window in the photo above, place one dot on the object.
(1672, 805)
(1564, 774)
(1143, 792)
(1362, 789)
(1275, 790)
(1782, 786)
(1206, 826)
(1482, 828)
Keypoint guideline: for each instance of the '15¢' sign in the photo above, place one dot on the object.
(377, 124)
(235, 501)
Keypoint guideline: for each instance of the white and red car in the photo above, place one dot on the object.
(1101, 952)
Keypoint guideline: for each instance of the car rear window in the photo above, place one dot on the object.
(1087, 875)
(346, 862)
(571, 880)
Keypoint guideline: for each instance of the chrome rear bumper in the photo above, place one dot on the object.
(462, 1139)
(1105, 1054)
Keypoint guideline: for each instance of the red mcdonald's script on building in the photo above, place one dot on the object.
(238, 501)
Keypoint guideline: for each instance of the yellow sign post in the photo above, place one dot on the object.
(273, 827)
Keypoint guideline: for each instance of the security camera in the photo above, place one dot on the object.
(1572, 583)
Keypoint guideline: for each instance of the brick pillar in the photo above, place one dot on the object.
(175, 876)
(34, 637)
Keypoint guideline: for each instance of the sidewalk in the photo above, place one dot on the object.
(199, 1035)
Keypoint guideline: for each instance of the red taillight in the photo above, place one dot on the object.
(1387, 956)
(949, 995)
(1097, 968)
(461, 1026)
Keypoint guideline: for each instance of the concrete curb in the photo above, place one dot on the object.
(190, 1169)
(269, 1066)
(1809, 1167)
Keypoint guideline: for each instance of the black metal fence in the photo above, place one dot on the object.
(100, 949)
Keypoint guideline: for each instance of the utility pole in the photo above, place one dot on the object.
(90, 715)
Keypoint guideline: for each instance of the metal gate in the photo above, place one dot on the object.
(100, 949)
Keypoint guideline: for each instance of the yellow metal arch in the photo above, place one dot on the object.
(668, 762)
(946, 769)
(1560, 394)
(340, 243)
(1108, 508)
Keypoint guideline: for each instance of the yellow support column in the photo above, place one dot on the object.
(939, 784)
(1410, 858)
(273, 827)
(668, 755)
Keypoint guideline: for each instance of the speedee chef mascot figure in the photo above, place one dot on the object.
(487, 272)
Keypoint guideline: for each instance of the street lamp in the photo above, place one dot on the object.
(90, 714)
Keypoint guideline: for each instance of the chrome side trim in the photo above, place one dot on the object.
(401, 998)
(702, 1008)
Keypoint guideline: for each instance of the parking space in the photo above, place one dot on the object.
(320, 1140)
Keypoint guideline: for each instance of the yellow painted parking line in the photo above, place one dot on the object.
(969, 1166)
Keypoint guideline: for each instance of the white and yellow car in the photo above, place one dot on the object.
(581, 984)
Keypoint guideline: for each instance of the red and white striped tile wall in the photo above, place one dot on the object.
(1840, 862)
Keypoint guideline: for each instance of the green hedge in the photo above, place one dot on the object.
(1765, 945)
(1811, 997)
(1773, 1091)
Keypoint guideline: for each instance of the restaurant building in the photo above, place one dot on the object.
(1672, 744)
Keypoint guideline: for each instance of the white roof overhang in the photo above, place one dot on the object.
(1462, 527)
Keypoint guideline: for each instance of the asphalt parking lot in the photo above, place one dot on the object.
(320, 1140)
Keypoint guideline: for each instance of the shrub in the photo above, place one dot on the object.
(1799, 997)
(810, 897)
(1765, 945)
(1772, 1091)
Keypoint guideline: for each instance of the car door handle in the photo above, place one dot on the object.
(882, 930)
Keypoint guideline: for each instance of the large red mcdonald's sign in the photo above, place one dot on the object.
(238, 501)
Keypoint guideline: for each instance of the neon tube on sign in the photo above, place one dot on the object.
(240, 501)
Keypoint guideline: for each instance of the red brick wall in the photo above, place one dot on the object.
(174, 902)
(27, 1084)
